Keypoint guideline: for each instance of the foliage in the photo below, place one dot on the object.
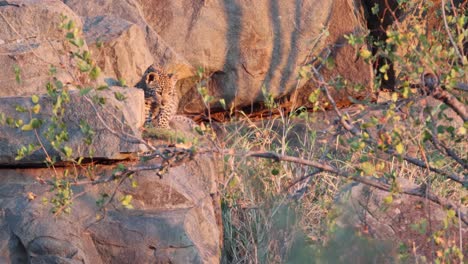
(412, 134)
(56, 133)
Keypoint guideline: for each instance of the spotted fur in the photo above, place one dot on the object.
(161, 101)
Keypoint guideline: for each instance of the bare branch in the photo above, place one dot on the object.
(122, 135)
(461, 86)
(451, 101)
(443, 148)
(371, 181)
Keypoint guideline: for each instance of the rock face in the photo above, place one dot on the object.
(173, 220)
(241, 46)
(119, 47)
(31, 41)
(78, 111)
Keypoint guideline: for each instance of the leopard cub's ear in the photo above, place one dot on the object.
(151, 77)
(173, 78)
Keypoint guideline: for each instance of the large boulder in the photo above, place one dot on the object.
(124, 116)
(119, 48)
(241, 47)
(33, 44)
(173, 219)
(30, 42)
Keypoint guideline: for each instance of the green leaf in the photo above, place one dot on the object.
(10, 121)
(95, 72)
(27, 127)
(83, 66)
(330, 63)
(313, 96)
(122, 82)
(304, 72)
(388, 199)
(223, 103)
(70, 25)
(119, 168)
(126, 201)
(134, 184)
(119, 96)
(78, 42)
(35, 99)
(200, 72)
(368, 168)
(70, 35)
(36, 109)
(20, 109)
(99, 100)
(85, 91)
(406, 92)
(17, 70)
(451, 213)
(365, 53)
(441, 129)
(400, 148)
(384, 68)
(99, 44)
(18, 123)
(86, 56)
(36, 123)
(375, 9)
(68, 151)
(461, 131)
(102, 87)
(52, 70)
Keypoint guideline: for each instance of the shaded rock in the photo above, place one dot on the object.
(121, 116)
(119, 48)
(31, 41)
(173, 220)
(364, 208)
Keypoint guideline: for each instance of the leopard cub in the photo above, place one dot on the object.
(161, 101)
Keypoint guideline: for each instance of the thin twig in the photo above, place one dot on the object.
(122, 135)
(454, 44)
(66, 205)
(442, 147)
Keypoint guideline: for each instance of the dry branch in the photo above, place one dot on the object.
(368, 180)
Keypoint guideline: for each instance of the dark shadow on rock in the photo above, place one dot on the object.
(277, 34)
(111, 82)
(228, 78)
(293, 52)
(197, 6)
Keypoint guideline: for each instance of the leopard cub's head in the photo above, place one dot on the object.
(160, 80)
